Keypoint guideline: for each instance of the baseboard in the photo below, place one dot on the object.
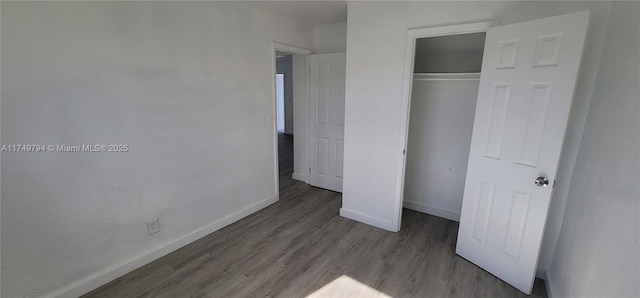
(549, 285)
(299, 177)
(370, 220)
(103, 277)
(424, 208)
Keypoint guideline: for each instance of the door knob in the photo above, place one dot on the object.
(541, 181)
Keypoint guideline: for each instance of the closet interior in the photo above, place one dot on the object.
(443, 100)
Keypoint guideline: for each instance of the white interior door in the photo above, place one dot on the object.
(327, 120)
(527, 83)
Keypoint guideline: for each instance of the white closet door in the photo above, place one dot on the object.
(527, 84)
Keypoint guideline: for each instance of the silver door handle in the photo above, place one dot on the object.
(541, 181)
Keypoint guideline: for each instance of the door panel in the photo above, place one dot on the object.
(498, 109)
(322, 165)
(527, 83)
(327, 112)
(323, 99)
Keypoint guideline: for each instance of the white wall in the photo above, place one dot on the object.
(330, 38)
(442, 114)
(300, 108)
(284, 65)
(187, 85)
(453, 53)
(598, 252)
(375, 72)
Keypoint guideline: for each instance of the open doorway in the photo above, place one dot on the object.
(284, 81)
(284, 93)
(440, 100)
(289, 102)
(445, 85)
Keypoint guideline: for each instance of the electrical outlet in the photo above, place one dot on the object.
(153, 226)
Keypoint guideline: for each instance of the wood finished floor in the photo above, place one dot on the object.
(300, 244)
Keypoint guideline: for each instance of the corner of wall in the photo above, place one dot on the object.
(549, 285)
(367, 219)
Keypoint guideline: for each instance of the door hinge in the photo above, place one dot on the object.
(309, 170)
(554, 183)
(403, 151)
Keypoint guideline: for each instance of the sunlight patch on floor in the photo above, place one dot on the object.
(345, 286)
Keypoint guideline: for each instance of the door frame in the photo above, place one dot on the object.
(281, 47)
(412, 36)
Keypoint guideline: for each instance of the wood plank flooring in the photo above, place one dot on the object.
(301, 245)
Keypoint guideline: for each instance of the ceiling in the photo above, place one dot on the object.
(308, 13)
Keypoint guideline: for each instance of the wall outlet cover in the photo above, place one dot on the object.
(153, 226)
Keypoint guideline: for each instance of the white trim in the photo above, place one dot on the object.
(311, 147)
(299, 177)
(412, 35)
(105, 276)
(471, 76)
(429, 209)
(282, 47)
(307, 112)
(370, 220)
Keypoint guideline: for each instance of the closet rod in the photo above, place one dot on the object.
(470, 76)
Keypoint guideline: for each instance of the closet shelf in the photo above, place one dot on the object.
(471, 76)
